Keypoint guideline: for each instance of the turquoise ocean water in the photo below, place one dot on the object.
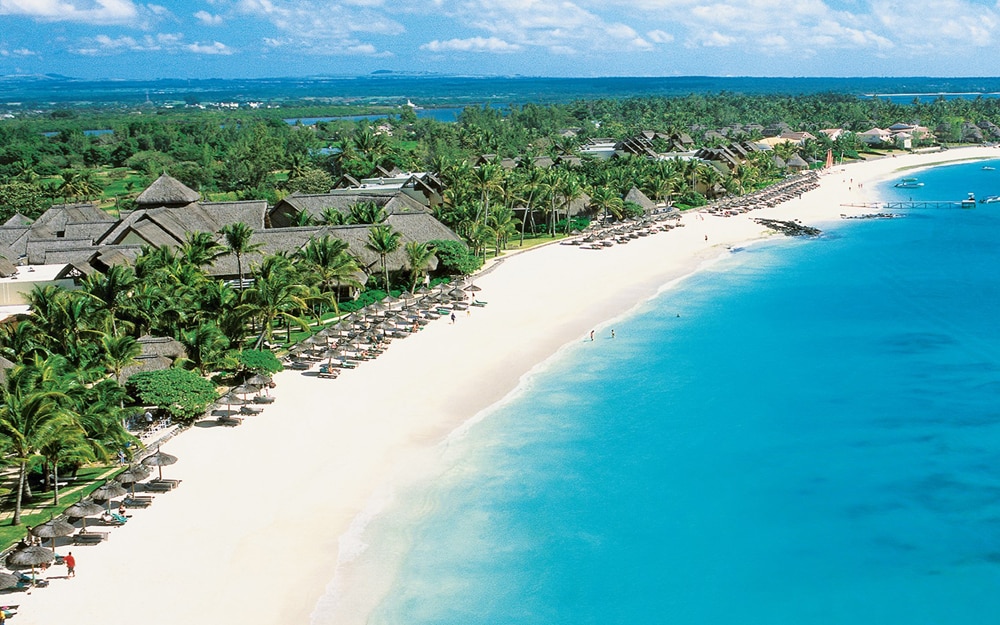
(814, 440)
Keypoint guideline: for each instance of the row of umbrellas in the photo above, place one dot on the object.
(35, 555)
(387, 314)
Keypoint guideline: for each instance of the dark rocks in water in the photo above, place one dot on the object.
(789, 228)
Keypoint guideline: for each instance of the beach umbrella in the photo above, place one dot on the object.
(133, 474)
(109, 491)
(159, 460)
(83, 509)
(472, 288)
(30, 557)
(259, 380)
(53, 528)
(8, 581)
(230, 399)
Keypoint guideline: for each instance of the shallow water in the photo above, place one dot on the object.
(806, 432)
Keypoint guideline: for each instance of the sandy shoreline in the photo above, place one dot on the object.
(251, 534)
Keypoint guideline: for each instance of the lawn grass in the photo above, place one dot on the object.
(41, 507)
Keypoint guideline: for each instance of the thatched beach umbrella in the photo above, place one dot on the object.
(8, 581)
(30, 557)
(159, 460)
(230, 399)
(53, 528)
(83, 509)
(109, 491)
(133, 474)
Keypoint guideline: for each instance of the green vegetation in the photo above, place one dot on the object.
(182, 393)
(63, 403)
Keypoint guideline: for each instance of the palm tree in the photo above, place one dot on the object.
(333, 264)
(120, 352)
(504, 226)
(487, 178)
(333, 217)
(607, 200)
(238, 239)
(383, 240)
(366, 212)
(70, 445)
(418, 257)
(29, 419)
(570, 189)
(201, 249)
(274, 294)
(111, 289)
(204, 343)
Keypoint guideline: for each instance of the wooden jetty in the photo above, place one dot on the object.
(881, 206)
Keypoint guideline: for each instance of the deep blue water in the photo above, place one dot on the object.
(446, 90)
(445, 114)
(814, 440)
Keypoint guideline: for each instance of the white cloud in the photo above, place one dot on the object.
(473, 44)
(93, 12)
(549, 25)
(327, 27)
(174, 43)
(209, 48)
(659, 36)
(715, 39)
(208, 19)
(22, 52)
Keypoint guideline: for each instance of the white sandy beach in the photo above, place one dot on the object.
(252, 533)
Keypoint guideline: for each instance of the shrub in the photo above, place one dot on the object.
(259, 361)
(455, 258)
(182, 393)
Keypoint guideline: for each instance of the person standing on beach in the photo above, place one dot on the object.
(612, 333)
(453, 317)
(591, 335)
(70, 564)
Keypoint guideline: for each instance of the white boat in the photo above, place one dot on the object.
(991, 199)
(988, 168)
(909, 183)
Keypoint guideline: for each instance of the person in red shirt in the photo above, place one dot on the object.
(70, 565)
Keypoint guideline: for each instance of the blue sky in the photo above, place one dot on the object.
(260, 38)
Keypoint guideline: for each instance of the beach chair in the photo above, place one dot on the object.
(263, 399)
(161, 486)
(229, 421)
(138, 501)
(89, 537)
(250, 410)
(478, 303)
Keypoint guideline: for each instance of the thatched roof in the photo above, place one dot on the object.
(250, 212)
(391, 201)
(61, 214)
(5, 366)
(636, 196)
(797, 162)
(167, 191)
(7, 268)
(17, 220)
(161, 346)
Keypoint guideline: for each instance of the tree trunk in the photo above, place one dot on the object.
(55, 482)
(21, 481)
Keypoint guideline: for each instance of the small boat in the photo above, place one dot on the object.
(988, 168)
(909, 183)
(990, 199)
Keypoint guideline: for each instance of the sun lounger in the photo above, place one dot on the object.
(476, 302)
(161, 486)
(89, 537)
(263, 399)
(229, 421)
(137, 502)
(250, 410)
